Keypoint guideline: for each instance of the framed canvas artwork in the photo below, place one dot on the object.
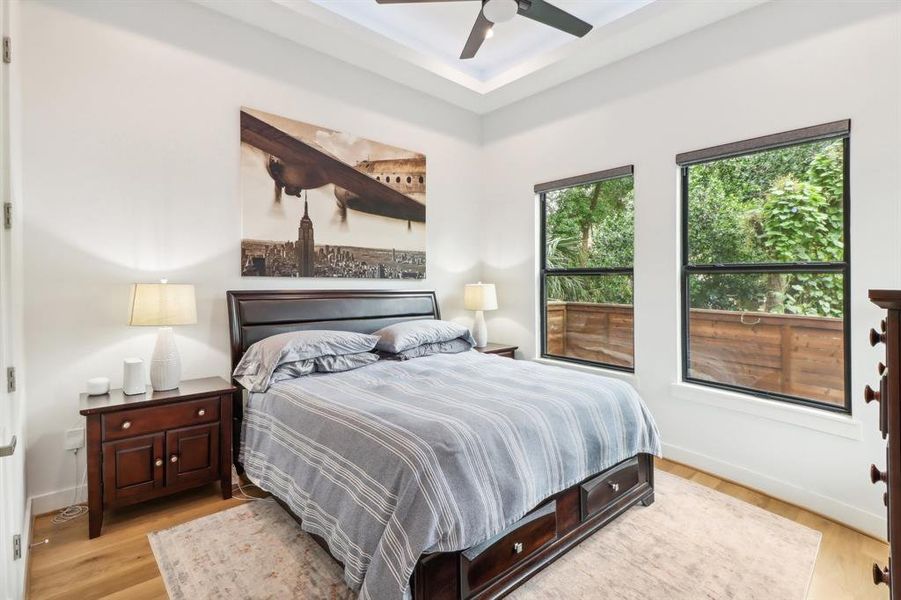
(321, 203)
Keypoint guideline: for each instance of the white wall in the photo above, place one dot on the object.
(777, 67)
(131, 156)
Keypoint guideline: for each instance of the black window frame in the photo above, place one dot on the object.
(541, 190)
(828, 131)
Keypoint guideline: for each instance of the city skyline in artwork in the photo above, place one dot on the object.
(320, 203)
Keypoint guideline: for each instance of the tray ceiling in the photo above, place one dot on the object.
(418, 44)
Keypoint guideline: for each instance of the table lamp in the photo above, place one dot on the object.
(163, 305)
(480, 297)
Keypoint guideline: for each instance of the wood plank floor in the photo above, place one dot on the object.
(120, 565)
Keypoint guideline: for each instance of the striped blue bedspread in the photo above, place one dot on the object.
(397, 459)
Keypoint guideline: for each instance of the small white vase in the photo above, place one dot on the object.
(165, 366)
(480, 330)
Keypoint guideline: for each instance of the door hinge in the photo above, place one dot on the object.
(7, 215)
(10, 379)
(17, 547)
(7, 49)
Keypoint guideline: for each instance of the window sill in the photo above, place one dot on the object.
(624, 375)
(841, 425)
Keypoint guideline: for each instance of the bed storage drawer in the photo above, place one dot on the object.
(598, 493)
(481, 564)
(129, 423)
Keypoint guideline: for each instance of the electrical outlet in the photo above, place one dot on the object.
(74, 438)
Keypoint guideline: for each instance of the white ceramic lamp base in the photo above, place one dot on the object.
(480, 330)
(165, 366)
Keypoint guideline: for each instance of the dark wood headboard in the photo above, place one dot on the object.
(256, 315)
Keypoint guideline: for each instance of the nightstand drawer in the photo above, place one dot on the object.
(130, 423)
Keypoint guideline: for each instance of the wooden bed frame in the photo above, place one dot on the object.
(499, 565)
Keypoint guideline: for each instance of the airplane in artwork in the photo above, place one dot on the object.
(377, 187)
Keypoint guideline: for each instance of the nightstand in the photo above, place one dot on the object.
(499, 349)
(157, 443)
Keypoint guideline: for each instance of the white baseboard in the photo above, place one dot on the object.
(57, 500)
(867, 522)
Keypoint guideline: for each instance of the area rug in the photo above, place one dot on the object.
(692, 543)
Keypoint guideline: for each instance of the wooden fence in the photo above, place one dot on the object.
(794, 355)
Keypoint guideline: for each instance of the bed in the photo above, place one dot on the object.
(441, 477)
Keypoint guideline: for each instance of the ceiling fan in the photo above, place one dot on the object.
(498, 11)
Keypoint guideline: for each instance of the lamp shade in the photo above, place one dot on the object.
(162, 304)
(480, 296)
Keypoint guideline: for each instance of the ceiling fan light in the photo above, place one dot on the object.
(499, 11)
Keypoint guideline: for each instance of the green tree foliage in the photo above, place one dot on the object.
(777, 206)
(591, 226)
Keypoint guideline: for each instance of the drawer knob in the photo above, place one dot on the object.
(869, 394)
(881, 575)
(876, 337)
(173, 458)
(881, 368)
(517, 548)
(613, 486)
(876, 475)
(201, 412)
(126, 424)
(158, 462)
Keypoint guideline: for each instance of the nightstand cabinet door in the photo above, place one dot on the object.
(192, 454)
(133, 468)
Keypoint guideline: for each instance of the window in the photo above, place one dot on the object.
(587, 232)
(765, 266)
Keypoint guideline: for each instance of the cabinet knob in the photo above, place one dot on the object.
(174, 459)
(869, 394)
(158, 462)
(881, 368)
(517, 548)
(881, 575)
(201, 412)
(613, 486)
(876, 337)
(126, 424)
(876, 475)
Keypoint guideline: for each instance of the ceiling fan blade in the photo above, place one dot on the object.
(476, 36)
(544, 12)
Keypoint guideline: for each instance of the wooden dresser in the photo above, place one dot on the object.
(157, 443)
(888, 398)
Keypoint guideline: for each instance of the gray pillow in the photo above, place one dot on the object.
(344, 362)
(263, 358)
(292, 370)
(410, 334)
(452, 347)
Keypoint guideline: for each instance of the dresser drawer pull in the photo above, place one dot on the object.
(126, 424)
(869, 394)
(876, 337)
(201, 412)
(876, 475)
(881, 575)
(613, 486)
(173, 458)
(158, 462)
(517, 548)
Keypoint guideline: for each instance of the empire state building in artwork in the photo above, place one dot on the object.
(304, 247)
